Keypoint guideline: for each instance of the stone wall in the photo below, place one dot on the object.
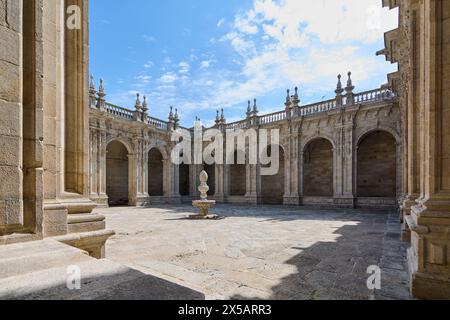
(318, 169)
(117, 174)
(272, 187)
(44, 128)
(155, 173)
(377, 166)
(421, 47)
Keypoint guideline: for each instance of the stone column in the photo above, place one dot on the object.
(291, 196)
(145, 195)
(174, 182)
(221, 174)
(101, 166)
(132, 179)
(429, 222)
(301, 162)
(93, 164)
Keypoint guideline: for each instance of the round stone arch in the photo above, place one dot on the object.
(125, 141)
(161, 149)
(308, 140)
(377, 163)
(157, 171)
(118, 177)
(373, 129)
(318, 165)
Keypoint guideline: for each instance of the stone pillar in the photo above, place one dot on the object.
(291, 196)
(301, 162)
(132, 179)
(221, 176)
(174, 183)
(93, 160)
(429, 222)
(141, 168)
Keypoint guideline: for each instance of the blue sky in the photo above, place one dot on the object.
(202, 55)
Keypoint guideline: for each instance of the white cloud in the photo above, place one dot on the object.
(205, 64)
(148, 64)
(148, 38)
(220, 22)
(184, 67)
(168, 78)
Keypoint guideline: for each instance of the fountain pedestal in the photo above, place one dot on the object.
(204, 204)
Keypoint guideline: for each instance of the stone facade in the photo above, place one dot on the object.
(421, 47)
(344, 152)
(65, 150)
(44, 131)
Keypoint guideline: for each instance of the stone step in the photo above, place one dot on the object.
(28, 257)
(40, 270)
(100, 279)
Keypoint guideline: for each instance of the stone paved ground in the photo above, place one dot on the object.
(263, 252)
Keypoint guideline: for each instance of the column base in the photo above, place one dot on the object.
(175, 199)
(101, 200)
(428, 258)
(344, 202)
(430, 287)
(55, 219)
(291, 200)
(251, 198)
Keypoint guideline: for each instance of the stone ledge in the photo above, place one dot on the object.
(93, 241)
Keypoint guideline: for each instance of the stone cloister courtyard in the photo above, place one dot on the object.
(266, 252)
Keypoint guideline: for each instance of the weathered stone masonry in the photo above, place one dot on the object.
(44, 119)
(342, 152)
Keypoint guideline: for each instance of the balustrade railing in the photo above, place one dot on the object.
(371, 96)
(272, 117)
(119, 111)
(158, 123)
(324, 106)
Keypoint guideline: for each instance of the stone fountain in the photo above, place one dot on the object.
(203, 205)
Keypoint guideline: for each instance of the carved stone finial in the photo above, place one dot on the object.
(145, 105)
(92, 83)
(349, 81)
(217, 118)
(171, 117)
(203, 188)
(288, 96)
(101, 95)
(339, 89)
(222, 117)
(255, 108)
(138, 103)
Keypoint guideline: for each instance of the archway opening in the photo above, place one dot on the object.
(184, 180)
(377, 166)
(237, 177)
(211, 171)
(318, 169)
(117, 174)
(272, 187)
(155, 173)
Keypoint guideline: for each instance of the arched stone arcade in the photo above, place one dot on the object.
(273, 187)
(318, 168)
(155, 173)
(237, 177)
(376, 170)
(117, 174)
